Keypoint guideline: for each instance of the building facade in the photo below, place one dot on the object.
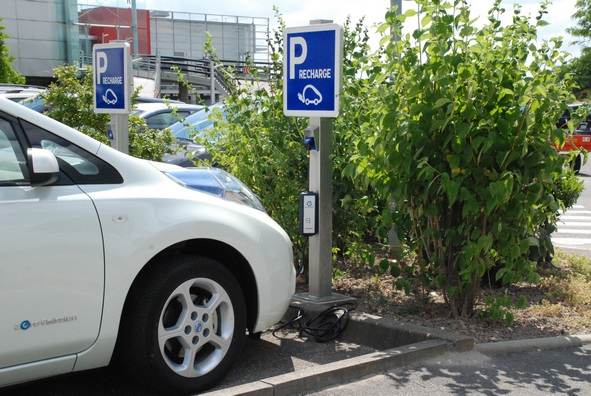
(45, 34)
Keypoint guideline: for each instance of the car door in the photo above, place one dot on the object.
(51, 260)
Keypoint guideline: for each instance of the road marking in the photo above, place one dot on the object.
(569, 223)
(573, 231)
(567, 217)
(571, 242)
(573, 224)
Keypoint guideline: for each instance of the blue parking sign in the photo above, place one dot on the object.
(111, 78)
(312, 69)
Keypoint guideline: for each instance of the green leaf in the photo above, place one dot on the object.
(533, 277)
(454, 161)
(452, 189)
(521, 302)
(509, 318)
(395, 270)
(441, 102)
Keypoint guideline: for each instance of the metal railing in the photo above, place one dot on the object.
(163, 70)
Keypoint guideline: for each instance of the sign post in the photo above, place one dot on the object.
(112, 84)
(312, 82)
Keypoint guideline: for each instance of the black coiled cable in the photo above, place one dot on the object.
(325, 326)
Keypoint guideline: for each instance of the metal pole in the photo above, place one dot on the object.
(134, 28)
(212, 82)
(397, 3)
(320, 182)
(157, 78)
(393, 239)
(120, 124)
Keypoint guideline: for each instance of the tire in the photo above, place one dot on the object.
(183, 326)
(577, 164)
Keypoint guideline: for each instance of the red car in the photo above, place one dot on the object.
(579, 139)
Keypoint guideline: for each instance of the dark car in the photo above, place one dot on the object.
(566, 115)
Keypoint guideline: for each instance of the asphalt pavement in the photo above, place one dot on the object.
(435, 363)
(564, 371)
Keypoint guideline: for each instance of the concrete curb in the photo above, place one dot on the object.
(398, 344)
(541, 344)
(384, 333)
(337, 373)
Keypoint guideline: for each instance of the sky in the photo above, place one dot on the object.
(299, 12)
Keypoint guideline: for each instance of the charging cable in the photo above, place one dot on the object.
(302, 267)
(323, 327)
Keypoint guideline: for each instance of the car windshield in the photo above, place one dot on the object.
(199, 122)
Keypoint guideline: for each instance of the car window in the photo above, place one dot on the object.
(12, 161)
(157, 121)
(163, 120)
(196, 123)
(79, 165)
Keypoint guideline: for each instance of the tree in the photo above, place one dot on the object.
(580, 70)
(580, 67)
(7, 73)
(458, 129)
(583, 27)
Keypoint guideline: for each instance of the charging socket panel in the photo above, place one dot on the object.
(308, 213)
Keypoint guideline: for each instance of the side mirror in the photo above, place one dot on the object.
(43, 167)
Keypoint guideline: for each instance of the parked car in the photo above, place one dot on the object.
(20, 88)
(107, 257)
(192, 152)
(580, 138)
(38, 103)
(161, 115)
(17, 93)
(148, 99)
(566, 115)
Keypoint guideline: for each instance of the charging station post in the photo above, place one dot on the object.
(112, 79)
(312, 74)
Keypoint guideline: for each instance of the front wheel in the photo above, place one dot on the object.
(184, 325)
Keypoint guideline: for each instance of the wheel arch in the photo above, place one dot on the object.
(224, 254)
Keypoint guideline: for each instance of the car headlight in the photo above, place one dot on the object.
(217, 182)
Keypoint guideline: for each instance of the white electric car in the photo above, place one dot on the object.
(108, 257)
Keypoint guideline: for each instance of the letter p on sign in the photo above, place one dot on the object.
(101, 65)
(296, 60)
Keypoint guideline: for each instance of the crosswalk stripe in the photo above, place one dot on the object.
(573, 231)
(573, 224)
(575, 243)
